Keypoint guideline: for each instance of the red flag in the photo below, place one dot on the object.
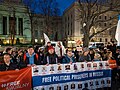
(16, 80)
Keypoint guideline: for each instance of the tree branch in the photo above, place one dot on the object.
(105, 29)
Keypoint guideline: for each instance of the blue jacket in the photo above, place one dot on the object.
(67, 59)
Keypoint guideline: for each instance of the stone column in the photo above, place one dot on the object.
(17, 26)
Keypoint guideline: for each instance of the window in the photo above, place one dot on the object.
(71, 16)
(4, 25)
(68, 31)
(105, 24)
(106, 40)
(20, 26)
(105, 17)
(68, 18)
(99, 24)
(100, 39)
(71, 31)
(99, 17)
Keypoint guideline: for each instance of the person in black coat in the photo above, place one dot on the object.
(7, 65)
(51, 57)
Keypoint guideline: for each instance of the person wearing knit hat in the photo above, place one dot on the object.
(50, 57)
(86, 49)
(50, 47)
(85, 56)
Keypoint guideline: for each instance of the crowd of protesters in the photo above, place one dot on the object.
(21, 58)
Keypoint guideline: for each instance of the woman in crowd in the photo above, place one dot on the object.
(85, 57)
(113, 65)
(69, 57)
(97, 57)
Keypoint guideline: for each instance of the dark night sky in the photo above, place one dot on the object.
(63, 4)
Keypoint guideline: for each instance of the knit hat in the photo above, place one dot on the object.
(85, 49)
(50, 47)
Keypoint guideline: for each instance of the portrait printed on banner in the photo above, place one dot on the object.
(51, 69)
(75, 67)
(51, 88)
(94, 66)
(108, 82)
(107, 65)
(80, 86)
(82, 66)
(67, 67)
(89, 66)
(59, 68)
(86, 85)
(65, 87)
(72, 85)
(42, 88)
(58, 87)
(100, 65)
(44, 69)
(36, 70)
(91, 83)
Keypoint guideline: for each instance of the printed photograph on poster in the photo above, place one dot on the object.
(72, 86)
(95, 66)
(105, 79)
(80, 86)
(66, 86)
(107, 65)
(100, 65)
(102, 82)
(44, 69)
(60, 68)
(35, 70)
(67, 68)
(52, 68)
(51, 87)
(85, 85)
(89, 65)
(82, 66)
(59, 86)
(108, 80)
(91, 84)
(74, 67)
(97, 83)
(104, 66)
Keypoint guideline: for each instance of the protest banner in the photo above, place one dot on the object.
(16, 79)
(72, 77)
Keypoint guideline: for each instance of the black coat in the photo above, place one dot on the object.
(5, 67)
(50, 59)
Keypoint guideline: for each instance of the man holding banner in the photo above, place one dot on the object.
(7, 65)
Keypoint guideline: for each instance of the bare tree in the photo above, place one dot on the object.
(31, 6)
(89, 12)
(12, 19)
(48, 8)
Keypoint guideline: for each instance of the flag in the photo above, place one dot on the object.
(16, 79)
(46, 39)
(117, 35)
